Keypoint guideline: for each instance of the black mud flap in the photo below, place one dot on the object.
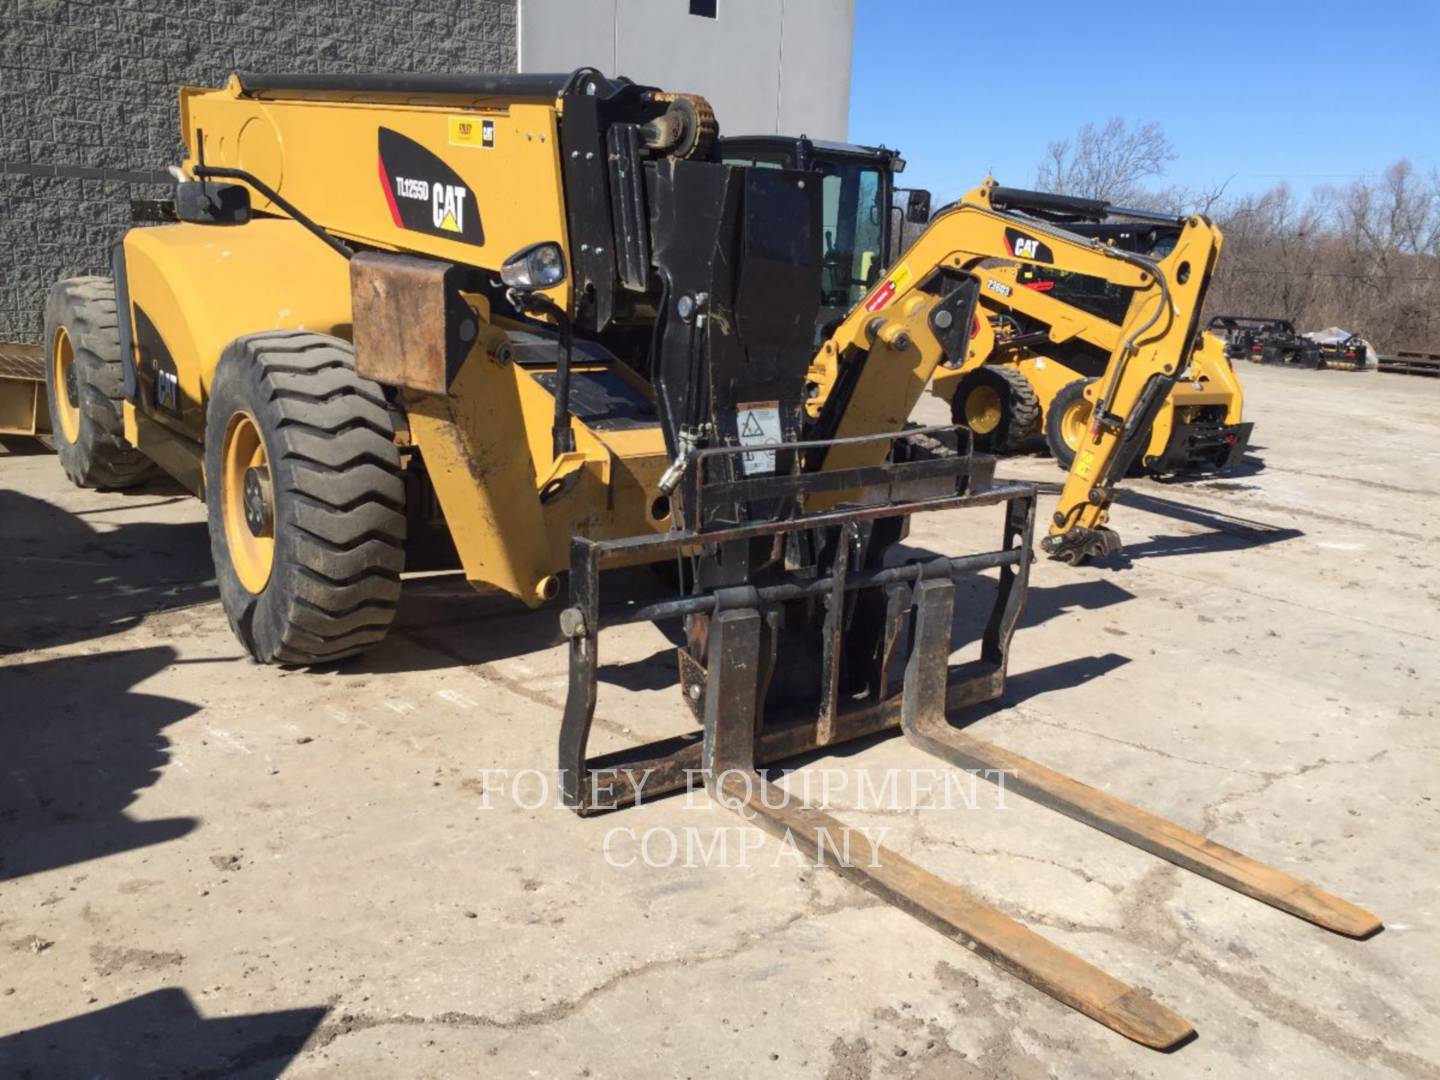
(129, 382)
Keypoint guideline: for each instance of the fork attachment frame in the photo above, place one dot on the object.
(616, 780)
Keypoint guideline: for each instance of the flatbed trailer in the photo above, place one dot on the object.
(1406, 362)
(24, 409)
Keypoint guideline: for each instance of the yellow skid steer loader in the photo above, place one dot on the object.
(1049, 332)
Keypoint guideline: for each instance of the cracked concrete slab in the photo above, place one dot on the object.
(326, 874)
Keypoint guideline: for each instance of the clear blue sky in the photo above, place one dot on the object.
(1266, 90)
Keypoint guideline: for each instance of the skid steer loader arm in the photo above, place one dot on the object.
(1150, 352)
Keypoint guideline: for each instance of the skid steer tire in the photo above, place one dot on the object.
(999, 406)
(1066, 420)
(83, 382)
(306, 498)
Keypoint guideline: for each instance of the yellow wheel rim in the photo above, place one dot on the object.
(1074, 422)
(246, 502)
(65, 379)
(982, 410)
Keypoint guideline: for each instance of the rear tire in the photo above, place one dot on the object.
(299, 446)
(998, 405)
(84, 384)
(1069, 412)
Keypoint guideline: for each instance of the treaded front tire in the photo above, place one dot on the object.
(1058, 420)
(336, 498)
(84, 385)
(1005, 390)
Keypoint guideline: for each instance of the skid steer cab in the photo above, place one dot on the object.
(539, 313)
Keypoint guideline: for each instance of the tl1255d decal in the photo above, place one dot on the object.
(424, 194)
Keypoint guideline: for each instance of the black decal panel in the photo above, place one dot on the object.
(1024, 246)
(156, 373)
(424, 194)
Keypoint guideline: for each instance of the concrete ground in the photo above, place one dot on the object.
(211, 868)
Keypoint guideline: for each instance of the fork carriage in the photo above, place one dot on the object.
(852, 652)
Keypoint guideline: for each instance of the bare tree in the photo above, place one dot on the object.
(1365, 257)
(1110, 162)
(1182, 201)
(1268, 265)
(1388, 250)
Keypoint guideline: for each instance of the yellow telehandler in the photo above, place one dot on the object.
(538, 309)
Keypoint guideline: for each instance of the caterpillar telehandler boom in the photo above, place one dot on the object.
(541, 305)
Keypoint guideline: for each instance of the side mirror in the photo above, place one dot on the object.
(207, 203)
(539, 266)
(917, 206)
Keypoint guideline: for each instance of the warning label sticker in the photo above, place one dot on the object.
(758, 423)
(898, 279)
(468, 131)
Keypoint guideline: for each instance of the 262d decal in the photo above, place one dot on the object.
(424, 194)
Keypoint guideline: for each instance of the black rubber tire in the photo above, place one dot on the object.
(338, 495)
(1019, 407)
(99, 456)
(1054, 437)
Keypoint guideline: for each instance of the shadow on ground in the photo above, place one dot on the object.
(78, 745)
(1250, 464)
(444, 622)
(160, 1034)
(23, 446)
(64, 581)
(1224, 532)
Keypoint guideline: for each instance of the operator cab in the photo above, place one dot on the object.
(857, 217)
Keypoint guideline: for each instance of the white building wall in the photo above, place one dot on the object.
(767, 66)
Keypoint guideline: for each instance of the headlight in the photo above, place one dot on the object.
(538, 266)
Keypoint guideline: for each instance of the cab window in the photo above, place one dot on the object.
(852, 227)
(852, 230)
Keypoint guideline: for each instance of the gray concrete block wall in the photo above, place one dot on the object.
(88, 92)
